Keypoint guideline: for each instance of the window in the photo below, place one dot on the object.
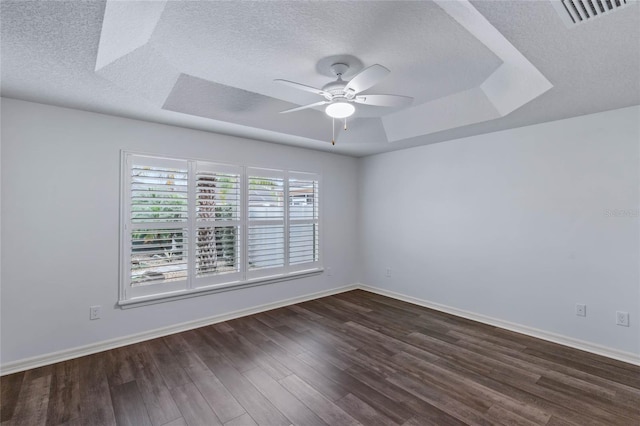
(191, 226)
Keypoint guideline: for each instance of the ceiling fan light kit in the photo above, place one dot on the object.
(340, 109)
(340, 96)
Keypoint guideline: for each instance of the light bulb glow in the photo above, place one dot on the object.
(340, 109)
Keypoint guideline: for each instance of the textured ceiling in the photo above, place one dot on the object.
(210, 65)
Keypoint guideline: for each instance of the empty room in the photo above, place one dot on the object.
(242, 213)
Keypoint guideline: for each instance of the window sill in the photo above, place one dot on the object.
(184, 294)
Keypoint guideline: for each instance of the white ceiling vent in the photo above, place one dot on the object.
(574, 12)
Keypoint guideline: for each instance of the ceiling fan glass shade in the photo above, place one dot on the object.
(340, 110)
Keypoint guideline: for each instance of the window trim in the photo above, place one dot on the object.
(217, 284)
(216, 288)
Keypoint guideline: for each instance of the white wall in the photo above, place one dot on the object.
(60, 232)
(513, 225)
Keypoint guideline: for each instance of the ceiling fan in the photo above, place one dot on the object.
(340, 96)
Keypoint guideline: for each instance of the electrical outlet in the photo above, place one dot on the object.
(622, 318)
(94, 312)
(329, 272)
(581, 310)
(388, 273)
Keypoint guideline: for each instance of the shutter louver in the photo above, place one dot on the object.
(266, 198)
(158, 255)
(218, 197)
(303, 221)
(266, 246)
(303, 243)
(158, 194)
(158, 233)
(265, 237)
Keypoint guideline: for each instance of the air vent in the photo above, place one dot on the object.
(574, 12)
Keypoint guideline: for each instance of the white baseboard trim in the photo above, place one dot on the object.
(52, 358)
(594, 348)
(64, 355)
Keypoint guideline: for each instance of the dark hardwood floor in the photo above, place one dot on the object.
(354, 358)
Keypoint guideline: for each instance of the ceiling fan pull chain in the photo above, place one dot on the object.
(345, 123)
(333, 131)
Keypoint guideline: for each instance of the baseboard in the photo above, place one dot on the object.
(594, 348)
(52, 358)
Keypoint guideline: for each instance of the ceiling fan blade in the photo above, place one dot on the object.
(367, 78)
(393, 101)
(304, 107)
(302, 87)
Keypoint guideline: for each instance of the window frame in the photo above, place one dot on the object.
(130, 296)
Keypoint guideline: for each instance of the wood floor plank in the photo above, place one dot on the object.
(166, 363)
(117, 367)
(128, 405)
(177, 422)
(187, 358)
(282, 399)
(322, 384)
(602, 402)
(502, 415)
(431, 415)
(439, 399)
(508, 385)
(223, 403)
(223, 327)
(32, 405)
(254, 402)
(325, 409)
(10, 387)
(366, 414)
(349, 359)
(230, 345)
(243, 420)
(465, 389)
(617, 374)
(269, 364)
(64, 394)
(72, 422)
(194, 408)
(96, 407)
(153, 389)
(427, 421)
(367, 394)
(219, 398)
(556, 421)
(376, 380)
(272, 334)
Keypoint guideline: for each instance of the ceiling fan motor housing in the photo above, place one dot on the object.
(339, 69)
(336, 88)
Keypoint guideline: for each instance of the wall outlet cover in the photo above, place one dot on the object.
(622, 318)
(94, 312)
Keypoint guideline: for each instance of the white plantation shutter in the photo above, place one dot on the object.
(157, 214)
(190, 226)
(304, 233)
(218, 214)
(265, 222)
